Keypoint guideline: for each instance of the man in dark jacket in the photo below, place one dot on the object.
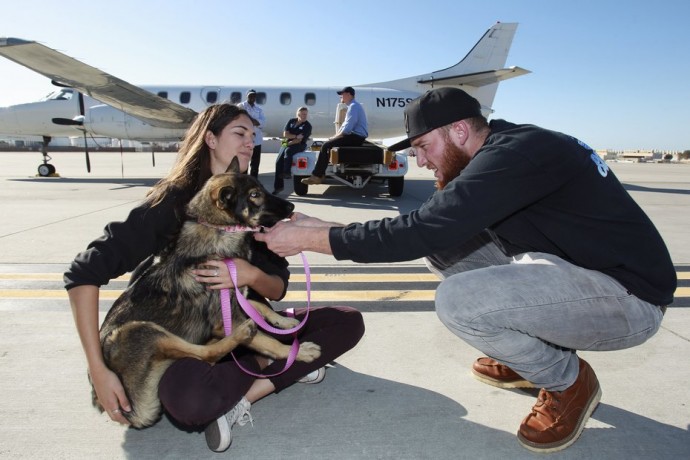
(538, 246)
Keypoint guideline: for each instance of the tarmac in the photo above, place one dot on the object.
(404, 392)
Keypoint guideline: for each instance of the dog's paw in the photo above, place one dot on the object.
(245, 331)
(284, 322)
(308, 352)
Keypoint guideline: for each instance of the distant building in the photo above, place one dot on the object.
(640, 155)
(77, 143)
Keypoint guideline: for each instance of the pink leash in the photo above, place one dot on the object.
(258, 319)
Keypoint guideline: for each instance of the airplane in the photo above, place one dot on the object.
(91, 102)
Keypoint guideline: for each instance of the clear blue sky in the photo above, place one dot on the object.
(614, 73)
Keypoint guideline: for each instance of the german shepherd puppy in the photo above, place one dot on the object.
(166, 314)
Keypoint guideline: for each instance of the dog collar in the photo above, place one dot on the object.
(232, 228)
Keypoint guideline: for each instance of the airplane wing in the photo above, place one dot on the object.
(146, 106)
(477, 79)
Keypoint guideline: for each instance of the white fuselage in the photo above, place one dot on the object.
(383, 106)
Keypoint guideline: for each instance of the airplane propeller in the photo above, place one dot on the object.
(86, 143)
(76, 121)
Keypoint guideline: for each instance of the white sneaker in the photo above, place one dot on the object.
(219, 432)
(314, 377)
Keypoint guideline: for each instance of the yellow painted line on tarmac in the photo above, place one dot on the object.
(295, 296)
(366, 278)
(297, 278)
(682, 292)
(316, 296)
(362, 296)
(43, 277)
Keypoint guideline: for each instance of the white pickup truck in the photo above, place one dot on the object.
(353, 166)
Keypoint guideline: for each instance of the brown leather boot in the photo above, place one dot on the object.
(558, 417)
(312, 180)
(493, 373)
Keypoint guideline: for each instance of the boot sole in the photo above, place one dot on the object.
(568, 441)
(501, 383)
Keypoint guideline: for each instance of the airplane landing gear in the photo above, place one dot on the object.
(46, 169)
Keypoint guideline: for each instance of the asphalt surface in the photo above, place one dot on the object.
(405, 391)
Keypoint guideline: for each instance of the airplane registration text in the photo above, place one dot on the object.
(392, 101)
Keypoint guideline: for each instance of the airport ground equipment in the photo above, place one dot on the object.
(353, 166)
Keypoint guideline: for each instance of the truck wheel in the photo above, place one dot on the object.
(300, 188)
(396, 185)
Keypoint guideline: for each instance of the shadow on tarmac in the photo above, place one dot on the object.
(129, 182)
(348, 415)
(357, 416)
(639, 188)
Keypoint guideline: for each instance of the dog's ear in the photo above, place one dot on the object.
(234, 166)
(225, 195)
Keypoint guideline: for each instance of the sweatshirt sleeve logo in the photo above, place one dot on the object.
(601, 165)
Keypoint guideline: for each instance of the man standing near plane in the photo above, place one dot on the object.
(540, 249)
(352, 133)
(257, 113)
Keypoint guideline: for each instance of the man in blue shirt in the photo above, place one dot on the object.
(352, 133)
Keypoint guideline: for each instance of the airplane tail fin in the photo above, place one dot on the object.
(478, 73)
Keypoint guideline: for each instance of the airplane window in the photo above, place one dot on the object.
(285, 98)
(310, 99)
(185, 97)
(163, 94)
(212, 97)
(235, 97)
(60, 95)
(66, 94)
(261, 98)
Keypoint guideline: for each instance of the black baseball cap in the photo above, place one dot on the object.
(251, 91)
(347, 89)
(436, 108)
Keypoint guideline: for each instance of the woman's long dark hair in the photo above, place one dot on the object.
(192, 167)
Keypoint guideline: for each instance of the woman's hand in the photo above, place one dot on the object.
(111, 394)
(217, 276)
(109, 391)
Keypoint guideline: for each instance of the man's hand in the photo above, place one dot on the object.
(303, 220)
(301, 233)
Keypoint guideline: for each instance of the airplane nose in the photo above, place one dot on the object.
(36, 119)
(8, 121)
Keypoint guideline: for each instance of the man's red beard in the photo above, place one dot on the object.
(454, 161)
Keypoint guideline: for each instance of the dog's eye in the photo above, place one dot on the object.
(255, 194)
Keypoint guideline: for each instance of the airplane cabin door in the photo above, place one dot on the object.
(210, 95)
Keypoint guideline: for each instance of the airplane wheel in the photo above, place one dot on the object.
(46, 169)
(396, 186)
(300, 188)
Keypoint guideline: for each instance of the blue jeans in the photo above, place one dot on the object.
(533, 311)
(284, 163)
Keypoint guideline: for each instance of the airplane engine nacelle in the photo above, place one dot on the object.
(106, 121)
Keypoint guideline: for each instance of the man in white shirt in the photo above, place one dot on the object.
(257, 113)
